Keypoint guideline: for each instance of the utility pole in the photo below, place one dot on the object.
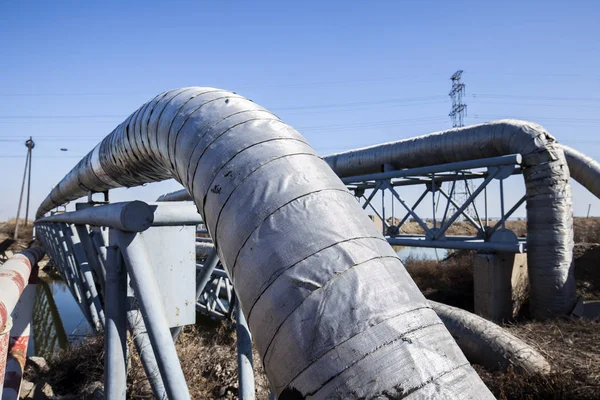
(30, 145)
(589, 208)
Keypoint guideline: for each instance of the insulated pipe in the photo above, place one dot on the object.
(129, 216)
(584, 169)
(487, 344)
(330, 306)
(548, 192)
(180, 195)
(14, 275)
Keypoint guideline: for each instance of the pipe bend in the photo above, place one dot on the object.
(487, 344)
(584, 169)
(548, 192)
(334, 310)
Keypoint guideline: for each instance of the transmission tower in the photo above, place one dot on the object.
(459, 109)
(462, 189)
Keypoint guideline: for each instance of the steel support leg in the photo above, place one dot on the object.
(147, 292)
(115, 360)
(141, 341)
(244, 355)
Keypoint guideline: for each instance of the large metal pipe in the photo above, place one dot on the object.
(330, 306)
(548, 192)
(14, 277)
(584, 169)
(487, 344)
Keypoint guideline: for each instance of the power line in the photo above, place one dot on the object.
(59, 116)
(527, 97)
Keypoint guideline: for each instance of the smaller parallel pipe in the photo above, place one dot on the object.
(456, 244)
(487, 344)
(180, 195)
(131, 216)
(204, 249)
(510, 159)
(14, 275)
(170, 214)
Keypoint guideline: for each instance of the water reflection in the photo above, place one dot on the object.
(422, 253)
(57, 319)
(49, 332)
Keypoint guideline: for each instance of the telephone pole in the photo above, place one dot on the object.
(30, 144)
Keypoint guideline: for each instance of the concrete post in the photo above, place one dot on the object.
(501, 284)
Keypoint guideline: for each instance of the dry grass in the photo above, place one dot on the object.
(207, 353)
(570, 346)
(449, 281)
(7, 230)
(71, 371)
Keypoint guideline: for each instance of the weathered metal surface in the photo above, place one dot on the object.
(487, 344)
(147, 292)
(584, 169)
(172, 252)
(272, 207)
(131, 216)
(548, 192)
(19, 339)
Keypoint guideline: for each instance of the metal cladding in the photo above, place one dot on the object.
(180, 195)
(584, 169)
(14, 275)
(487, 344)
(332, 310)
(131, 216)
(548, 192)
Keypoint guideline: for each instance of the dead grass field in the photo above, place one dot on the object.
(7, 230)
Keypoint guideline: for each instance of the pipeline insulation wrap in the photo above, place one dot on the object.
(584, 169)
(548, 193)
(332, 310)
(487, 344)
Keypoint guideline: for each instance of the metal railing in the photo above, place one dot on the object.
(113, 257)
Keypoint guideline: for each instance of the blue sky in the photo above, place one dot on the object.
(71, 71)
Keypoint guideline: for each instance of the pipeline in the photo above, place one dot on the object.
(487, 344)
(548, 193)
(584, 169)
(332, 310)
(17, 293)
